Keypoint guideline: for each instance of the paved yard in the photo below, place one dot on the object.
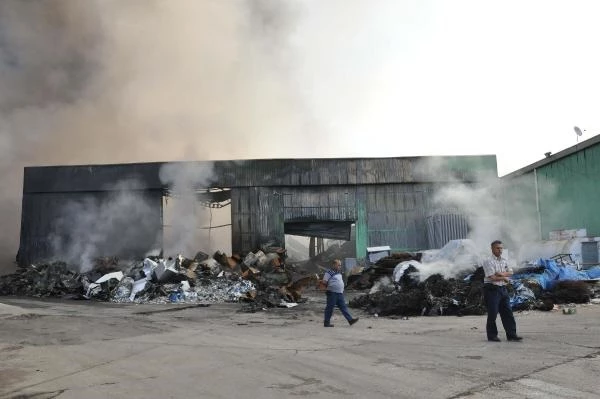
(78, 349)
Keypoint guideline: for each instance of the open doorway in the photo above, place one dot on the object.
(199, 221)
(316, 244)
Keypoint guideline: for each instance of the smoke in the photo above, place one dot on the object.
(121, 222)
(183, 180)
(496, 209)
(110, 81)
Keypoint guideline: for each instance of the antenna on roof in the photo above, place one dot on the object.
(578, 132)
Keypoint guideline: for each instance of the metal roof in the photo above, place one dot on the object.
(555, 157)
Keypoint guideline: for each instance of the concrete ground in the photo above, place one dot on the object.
(78, 349)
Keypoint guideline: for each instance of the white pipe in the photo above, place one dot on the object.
(537, 204)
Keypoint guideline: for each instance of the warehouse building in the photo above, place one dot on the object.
(372, 201)
(561, 193)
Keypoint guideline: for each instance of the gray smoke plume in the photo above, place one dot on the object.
(110, 81)
(122, 222)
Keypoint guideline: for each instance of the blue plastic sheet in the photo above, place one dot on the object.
(522, 294)
(593, 272)
(546, 279)
(552, 274)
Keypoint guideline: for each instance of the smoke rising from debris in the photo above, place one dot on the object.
(110, 81)
(183, 180)
(122, 223)
(495, 209)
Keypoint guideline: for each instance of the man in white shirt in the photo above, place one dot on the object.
(495, 294)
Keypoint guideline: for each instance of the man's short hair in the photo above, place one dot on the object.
(496, 242)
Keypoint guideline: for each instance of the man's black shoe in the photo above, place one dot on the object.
(494, 339)
(352, 321)
(516, 338)
(327, 325)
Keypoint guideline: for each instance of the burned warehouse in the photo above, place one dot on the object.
(108, 232)
(373, 202)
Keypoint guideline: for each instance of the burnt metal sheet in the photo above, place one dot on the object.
(319, 203)
(73, 226)
(255, 218)
(52, 179)
(262, 172)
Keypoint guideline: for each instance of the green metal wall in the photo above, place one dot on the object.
(568, 193)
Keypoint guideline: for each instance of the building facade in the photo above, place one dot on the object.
(385, 201)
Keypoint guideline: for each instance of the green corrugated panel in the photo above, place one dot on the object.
(361, 230)
(570, 192)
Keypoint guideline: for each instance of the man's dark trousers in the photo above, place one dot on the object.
(497, 301)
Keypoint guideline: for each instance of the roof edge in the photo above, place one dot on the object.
(555, 157)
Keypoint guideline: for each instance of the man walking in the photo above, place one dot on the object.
(334, 283)
(495, 295)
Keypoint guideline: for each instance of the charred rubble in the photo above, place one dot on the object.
(261, 279)
(434, 296)
(384, 267)
(397, 289)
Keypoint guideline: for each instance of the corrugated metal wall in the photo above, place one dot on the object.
(38, 215)
(256, 217)
(387, 198)
(391, 214)
(58, 222)
(353, 171)
(335, 203)
(568, 192)
(395, 215)
(259, 213)
(444, 226)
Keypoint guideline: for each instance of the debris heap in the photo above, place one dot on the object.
(541, 285)
(435, 296)
(261, 279)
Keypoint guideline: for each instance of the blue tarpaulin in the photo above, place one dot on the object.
(552, 274)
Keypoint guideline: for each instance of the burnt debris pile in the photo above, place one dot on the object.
(383, 267)
(434, 296)
(261, 279)
(414, 288)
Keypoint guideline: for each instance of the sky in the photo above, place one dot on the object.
(510, 78)
(106, 81)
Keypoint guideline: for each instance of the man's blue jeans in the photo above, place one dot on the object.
(497, 301)
(336, 299)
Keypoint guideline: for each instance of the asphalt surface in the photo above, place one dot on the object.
(81, 349)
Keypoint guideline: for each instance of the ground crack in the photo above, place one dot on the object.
(482, 388)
